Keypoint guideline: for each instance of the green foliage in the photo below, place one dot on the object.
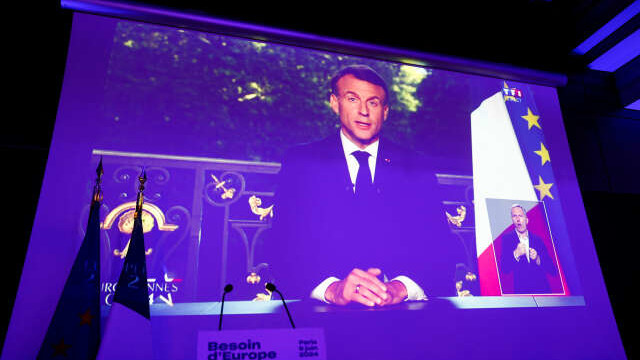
(249, 99)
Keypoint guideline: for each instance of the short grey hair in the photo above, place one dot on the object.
(519, 206)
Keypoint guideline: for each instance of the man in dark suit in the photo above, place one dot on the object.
(356, 219)
(524, 254)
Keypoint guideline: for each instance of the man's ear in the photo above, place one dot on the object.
(385, 112)
(333, 102)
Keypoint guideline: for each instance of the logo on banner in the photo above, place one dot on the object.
(511, 94)
(249, 349)
(259, 344)
(160, 290)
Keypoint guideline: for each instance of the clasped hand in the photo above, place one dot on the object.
(521, 249)
(365, 288)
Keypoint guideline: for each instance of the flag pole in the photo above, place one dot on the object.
(127, 333)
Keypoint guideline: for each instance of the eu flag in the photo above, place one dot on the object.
(74, 331)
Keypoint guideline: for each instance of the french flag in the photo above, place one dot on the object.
(127, 334)
(511, 166)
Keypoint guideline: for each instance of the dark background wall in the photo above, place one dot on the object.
(604, 138)
(605, 146)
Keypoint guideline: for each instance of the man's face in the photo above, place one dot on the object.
(519, 219)
(360, 106)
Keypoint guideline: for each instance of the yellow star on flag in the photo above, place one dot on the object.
(60, 348)
(543, 188)
(532, 119)
(544, 153)
(86, 317)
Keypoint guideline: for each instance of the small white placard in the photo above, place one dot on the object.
(262, 344)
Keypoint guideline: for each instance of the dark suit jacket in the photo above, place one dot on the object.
(528, 277)
(320, 230)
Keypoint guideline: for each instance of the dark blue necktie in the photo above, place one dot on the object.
(364, 187)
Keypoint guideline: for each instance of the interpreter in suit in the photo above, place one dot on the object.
(524, 254)
(356, 219)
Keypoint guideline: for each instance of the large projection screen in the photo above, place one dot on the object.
(215, 120)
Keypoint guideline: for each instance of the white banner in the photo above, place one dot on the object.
(262, 344)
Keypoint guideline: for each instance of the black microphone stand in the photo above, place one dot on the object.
(227, 289)
(272, 288)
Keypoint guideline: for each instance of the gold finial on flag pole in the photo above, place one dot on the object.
(140, 200)
(97, 189)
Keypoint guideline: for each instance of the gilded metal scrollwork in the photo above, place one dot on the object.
(255, 202)
(469, 277)
(226, 193)
(150, 215)
(457, 220)
(266, 296)
(224, 189)
(253, 278)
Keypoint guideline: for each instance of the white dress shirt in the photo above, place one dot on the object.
(352, 162)
(414, 291)
(524, 239)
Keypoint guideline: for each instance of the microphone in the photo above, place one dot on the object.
(272, 288)
(227, 289)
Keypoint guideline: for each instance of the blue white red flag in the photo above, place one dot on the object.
(512, 163)
(127, 333)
